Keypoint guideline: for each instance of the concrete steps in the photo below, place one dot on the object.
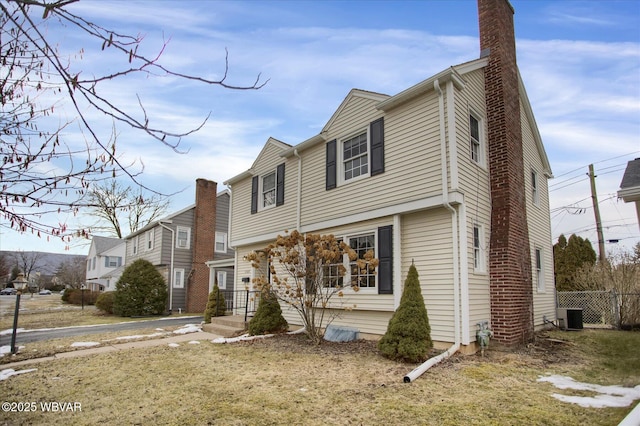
(226, 326)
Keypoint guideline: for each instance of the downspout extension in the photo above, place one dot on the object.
(422, 368)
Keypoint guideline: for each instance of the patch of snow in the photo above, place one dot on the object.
(188, 328)
(608, 396)
(10, 331)
(84, 344)
(173, 345)
(244, 337)
(7, 349)
(159, 329)
(194, 342)
(5, 374)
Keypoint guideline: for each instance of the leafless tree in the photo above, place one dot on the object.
(28, 261)
(116, 206)
(41, 170)
(72, 273)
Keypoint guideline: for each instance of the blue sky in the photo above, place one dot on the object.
(580, 62)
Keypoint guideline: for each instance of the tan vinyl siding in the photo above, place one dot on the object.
(412, 161)
(475, 185)
(272, 220)
(427, 241)
(539, 222)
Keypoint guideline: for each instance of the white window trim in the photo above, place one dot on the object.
(481, 143)
(149, 237)
(222, 282)
(261, 205)
(538, 253)
(535, 187)
(223, 236)
(479, 253)
(135, 245)
(340, 157)
(178, 283)
(188, 242)
(346, 278)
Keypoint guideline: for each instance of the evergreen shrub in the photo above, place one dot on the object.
(216, 305)
(408, 336)
(140, 291)
(268, 317)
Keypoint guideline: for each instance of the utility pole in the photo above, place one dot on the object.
(596, 211)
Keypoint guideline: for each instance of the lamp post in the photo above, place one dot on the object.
(19, 284)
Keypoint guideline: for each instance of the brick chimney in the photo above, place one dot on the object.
(204, 234)
(510, 258)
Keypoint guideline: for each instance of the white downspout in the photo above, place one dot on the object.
(299, 207)
(422, 368)
(173, 245)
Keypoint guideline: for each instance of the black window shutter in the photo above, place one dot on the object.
(377, 146)
(254, 195)
(385, 258)
(331, 164)
(280, 185)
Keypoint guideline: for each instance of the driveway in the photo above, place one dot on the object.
(55, 333)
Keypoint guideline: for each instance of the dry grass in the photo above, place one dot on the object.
(284, 381)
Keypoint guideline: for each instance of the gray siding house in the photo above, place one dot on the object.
(182, 247)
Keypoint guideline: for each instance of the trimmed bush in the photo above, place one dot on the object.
(408, 336)
(105, 301)
(268, 317)
(75, 296)
(140, 291)
(216, 305)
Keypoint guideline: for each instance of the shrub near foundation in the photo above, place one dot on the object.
(268, 317)
(408, 336)
(216, 305)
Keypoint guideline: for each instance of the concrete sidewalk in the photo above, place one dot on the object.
(180, 338)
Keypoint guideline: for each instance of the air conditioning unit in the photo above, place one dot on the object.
(569, 318)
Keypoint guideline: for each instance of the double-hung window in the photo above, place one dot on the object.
(476, 140)
(178, 278)
(149, 235)
(361, 274)
(539, 271)
(355, 157)
(535, 193)
(267, 190)
(221, 242)
(183, 237)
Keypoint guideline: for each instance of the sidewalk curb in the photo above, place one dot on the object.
(200, 335)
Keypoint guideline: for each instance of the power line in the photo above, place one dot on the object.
(598, 162)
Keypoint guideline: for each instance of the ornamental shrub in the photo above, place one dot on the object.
(216, 305)
(408, 336)
(140, 291)
(105, 302)
(268, 317)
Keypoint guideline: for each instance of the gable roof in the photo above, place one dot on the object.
(250, 172)
(103, 244)
(630, 185)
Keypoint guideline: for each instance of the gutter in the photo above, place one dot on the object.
(173, 245)
(422, 368)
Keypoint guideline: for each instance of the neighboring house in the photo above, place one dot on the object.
(104, 263)
(449, 174)
(183, 244)
(630, 185)
(221, 269)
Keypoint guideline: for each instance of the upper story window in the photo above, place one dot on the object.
(476, 139)
(148, 237)
(535, 193)
(221, 242)
(183, 237)
(112, 261)
(356, 156)
(267, 190)
(135, 245)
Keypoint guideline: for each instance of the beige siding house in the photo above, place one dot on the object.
(410, 176)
